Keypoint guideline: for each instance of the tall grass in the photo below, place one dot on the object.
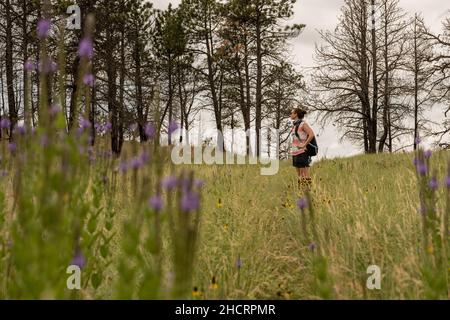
(140, 228)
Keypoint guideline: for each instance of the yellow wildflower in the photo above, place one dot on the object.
(214, 284)
(196, 292)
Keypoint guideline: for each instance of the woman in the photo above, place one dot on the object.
(300, 158)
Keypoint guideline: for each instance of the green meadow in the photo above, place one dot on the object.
(248, 239)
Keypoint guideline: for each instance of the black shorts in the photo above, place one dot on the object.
(301, 161)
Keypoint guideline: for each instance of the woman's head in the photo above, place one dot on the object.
(298, 113)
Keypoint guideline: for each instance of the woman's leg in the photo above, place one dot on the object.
(304, 172)
(305, 177)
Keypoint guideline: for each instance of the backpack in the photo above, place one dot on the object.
(312, 148)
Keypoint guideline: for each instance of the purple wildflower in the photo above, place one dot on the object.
(86, 48)
(136, 163)
(418, 140)
(199, 183)
(78, 259)
(85, 124)
(447, 181)
(302, 203)
(80, 131)
(170, 182)
(433, 184)
(20, 129)
(422, 168)
(44, 140)
(156, 202)
(185, 183)
(312, 247)
(89, 79)
(54, 109)
(98, 126)
(108, 127)
(5, 123)
(43, 28)
(123, 167)
(428, 154)
(29, 66)
(47, 66)
(150, 130)
(3, 173)
(190, 201)
(416, 161)
(173, 126)
(144, 157)
(12, 147)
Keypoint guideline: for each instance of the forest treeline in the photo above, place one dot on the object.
(376, 75)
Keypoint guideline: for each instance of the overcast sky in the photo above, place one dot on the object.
(322, 15)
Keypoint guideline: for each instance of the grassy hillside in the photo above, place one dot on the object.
(366, 213)
(248, 240)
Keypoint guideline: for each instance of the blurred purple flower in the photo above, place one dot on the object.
(123, 167)
(428, 154)
(199, 183)
(312, 247)
(156, 202)
(89, 79)
(20, 129)
(54, 109)
(43, 28)
(47, 66)
(185, 184)
(85, 124)
(173, 126)
(422, 168)
(44, 140)
(3, 173)
(447, 181)
(302, 203)
(433, 183)
(170, 182)
(144, 157)
(29, 66)
(78, 259)
(108, 127)
(190, 201)
(416, 161)
(12, 147)
(150, 130)
(5, 123)
(136, 163)
(80, 131)
(418, 140)
(86, 48)
(98, 126)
